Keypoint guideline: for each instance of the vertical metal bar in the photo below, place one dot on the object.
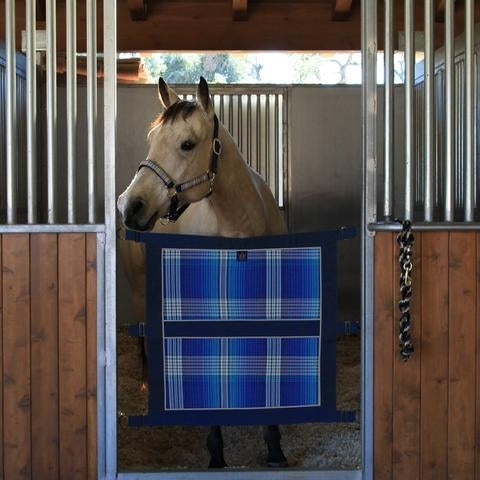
(222, 108)
(469, 111)
(267, 139)
(409, 107)
(11, 112)
(92, 106)
(51, 111)
(369, 214)
(249, 129)
(388, 109)
(230, 114)
(110, 127)
(258, 157)
(240, 122)
(286, 152)
(71, 8)
(429, 149)
(277, 146)
(31, 87)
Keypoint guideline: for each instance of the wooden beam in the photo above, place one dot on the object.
(341, 10)
(440, 11)
(138, 10)
(240, 10)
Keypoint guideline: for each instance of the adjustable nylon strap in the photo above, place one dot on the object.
(159, 171)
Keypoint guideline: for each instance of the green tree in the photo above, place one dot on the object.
(175, 68)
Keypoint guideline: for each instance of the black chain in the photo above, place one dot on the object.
(405, 240)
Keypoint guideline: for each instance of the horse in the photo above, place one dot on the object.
(195, 181)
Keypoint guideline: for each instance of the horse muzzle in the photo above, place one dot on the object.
(134, 214)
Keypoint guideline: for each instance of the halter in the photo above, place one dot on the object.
(174, 189)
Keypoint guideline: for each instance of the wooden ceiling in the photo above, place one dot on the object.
(213, 25)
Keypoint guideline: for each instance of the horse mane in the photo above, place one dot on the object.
(183, 107)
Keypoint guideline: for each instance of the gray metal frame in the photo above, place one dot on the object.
(108, 449)
(369, 214)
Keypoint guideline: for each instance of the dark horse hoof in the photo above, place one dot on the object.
(283, 464)
(276, 458)
(218, 463)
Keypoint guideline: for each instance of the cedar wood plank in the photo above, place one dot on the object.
(91, 268)
(1, 355)
(477, 417)
(461, 413)
(16, 356)
(72, 355)
(406, 379)
(44, 338)
(383, 355)
(434, 359)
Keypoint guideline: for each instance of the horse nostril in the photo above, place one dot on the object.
(137, 206)
(134, 209)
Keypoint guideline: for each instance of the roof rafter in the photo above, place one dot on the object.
(240, 10)
(341, 10)
(138, 9)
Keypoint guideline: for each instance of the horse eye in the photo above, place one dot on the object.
(187, 145)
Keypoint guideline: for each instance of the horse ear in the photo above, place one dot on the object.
(203, 96)
(166, 94)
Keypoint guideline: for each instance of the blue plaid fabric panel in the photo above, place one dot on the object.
(270, 284)
(241, 373)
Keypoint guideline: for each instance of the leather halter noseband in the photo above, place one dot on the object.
(174, 189)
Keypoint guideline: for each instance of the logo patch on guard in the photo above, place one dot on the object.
(242, 255)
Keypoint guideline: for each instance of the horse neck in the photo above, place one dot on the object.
(235, 199)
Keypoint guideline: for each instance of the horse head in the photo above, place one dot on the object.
(181, 163)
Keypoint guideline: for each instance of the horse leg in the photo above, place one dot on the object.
(215, 447)
(275, 456)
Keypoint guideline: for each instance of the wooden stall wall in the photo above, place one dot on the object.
(48, 356)
(425, 410)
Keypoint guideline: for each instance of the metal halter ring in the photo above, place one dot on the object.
(217, 146)
(172, 192)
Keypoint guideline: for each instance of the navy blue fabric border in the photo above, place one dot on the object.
(327, 412)
(237, 329)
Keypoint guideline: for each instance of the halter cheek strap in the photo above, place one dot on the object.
(174, 189)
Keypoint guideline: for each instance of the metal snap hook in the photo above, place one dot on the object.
(217, 146)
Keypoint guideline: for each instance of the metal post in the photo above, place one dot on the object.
(429, 111)
(222, 108)
(409, 107)
(276, 164)
(31, 87)
(92, 105)
(11, 112)
(388, 109)
(449, 109)
(369, 215)
(469, 111)
(258, 131)
(240, 122)
(249, 129)
(71, 8)
(51, 111)
(267, 138)
(110, 122)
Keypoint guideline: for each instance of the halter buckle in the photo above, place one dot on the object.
(172, 192)
(217, 146)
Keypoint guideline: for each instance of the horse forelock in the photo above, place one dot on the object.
(183, 107)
